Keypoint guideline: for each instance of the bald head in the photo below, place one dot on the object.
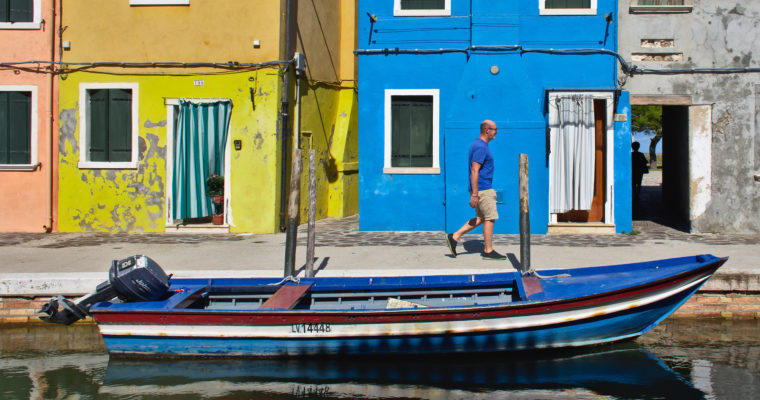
(488, 130)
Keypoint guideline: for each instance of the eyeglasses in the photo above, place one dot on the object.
(494, 129)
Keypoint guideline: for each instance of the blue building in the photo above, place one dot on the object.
(430, 71)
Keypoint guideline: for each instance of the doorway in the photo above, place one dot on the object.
(580, 162)
(197, 149)
(671, 191)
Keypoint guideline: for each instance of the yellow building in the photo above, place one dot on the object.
(156, 96)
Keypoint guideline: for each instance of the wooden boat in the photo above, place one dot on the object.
(391, 315)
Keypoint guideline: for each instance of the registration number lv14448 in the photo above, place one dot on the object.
(310, 328)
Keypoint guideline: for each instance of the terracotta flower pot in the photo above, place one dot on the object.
(217, 219)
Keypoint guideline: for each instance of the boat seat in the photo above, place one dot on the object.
(286, 297)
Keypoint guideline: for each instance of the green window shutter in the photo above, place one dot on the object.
(4, 11)
(21, 127)
(98, 129)
(411, 131)
(120, 125)
(568, 4)
(5, 128)
(110, 125)
(423, 4)
(21, 11)
(15, 127)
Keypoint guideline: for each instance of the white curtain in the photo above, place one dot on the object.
(571, 119)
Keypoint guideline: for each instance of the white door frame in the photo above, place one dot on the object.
(171, 105)
(609, 148)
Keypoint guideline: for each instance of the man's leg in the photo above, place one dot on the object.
(488, 236)
(468, 226)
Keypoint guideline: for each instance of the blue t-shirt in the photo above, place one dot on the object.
(481, 154)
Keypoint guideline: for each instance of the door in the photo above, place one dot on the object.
(198, 139)
(596, 213)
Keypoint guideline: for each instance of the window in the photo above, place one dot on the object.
(159, 2)
(411, 131)
(18, 127)
(661, 2)
(108, 121)
(20, 14)
(421, 8)
(567, 7)
(660, 6)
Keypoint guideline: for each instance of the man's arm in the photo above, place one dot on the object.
(474, 171)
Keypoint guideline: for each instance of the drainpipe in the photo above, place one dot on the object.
(51, 185)
(284, 117)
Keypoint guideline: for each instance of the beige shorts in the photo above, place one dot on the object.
(486, 209)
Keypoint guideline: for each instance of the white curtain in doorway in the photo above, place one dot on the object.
(571, 120)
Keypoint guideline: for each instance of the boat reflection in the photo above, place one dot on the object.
(621, 371)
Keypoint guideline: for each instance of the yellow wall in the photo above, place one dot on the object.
(206, 30)
(132, 200)
(211, 31)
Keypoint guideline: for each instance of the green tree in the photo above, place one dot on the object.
(648, 120)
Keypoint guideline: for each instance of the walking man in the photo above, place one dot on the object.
(482, 196)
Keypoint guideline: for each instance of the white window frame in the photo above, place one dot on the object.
(398, 12)
(159, 2)
(84, 125)
(36, 19)
(609, 211)
(33, 127)
(387, 168)
(542, 10)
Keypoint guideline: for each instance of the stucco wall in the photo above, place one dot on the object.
(715, 34)
(206, 30)
(508, 87)
(25, 195)
(132, 200)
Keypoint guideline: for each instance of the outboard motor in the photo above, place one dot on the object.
(136, 278)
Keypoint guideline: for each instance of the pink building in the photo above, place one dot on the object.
(28, 127)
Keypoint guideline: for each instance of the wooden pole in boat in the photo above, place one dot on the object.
(524, 216)
(293, 206)
(311, 238)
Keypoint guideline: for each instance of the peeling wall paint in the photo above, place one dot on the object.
(715, 34)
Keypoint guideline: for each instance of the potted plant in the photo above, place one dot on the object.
(215, 189)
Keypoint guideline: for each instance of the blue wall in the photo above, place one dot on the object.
(515, 99)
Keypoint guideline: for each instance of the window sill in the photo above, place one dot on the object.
(159, 2)
(19, 167)
(107, 165)
(567, 11)
(636, 9)
(20, 25)
(411, 171)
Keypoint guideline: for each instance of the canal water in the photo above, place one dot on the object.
(680, 359)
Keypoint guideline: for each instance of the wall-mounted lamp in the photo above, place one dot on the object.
(66, 45)
(238, 144)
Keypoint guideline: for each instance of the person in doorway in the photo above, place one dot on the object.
(482, 196)
(638, 169)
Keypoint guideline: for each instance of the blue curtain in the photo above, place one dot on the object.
(200, 136)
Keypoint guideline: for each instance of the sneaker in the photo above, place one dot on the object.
(493, 255)
(452, 244)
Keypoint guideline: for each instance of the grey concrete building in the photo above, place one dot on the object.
(697, 59)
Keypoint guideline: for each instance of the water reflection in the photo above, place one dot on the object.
(618, 372)
(681, 359)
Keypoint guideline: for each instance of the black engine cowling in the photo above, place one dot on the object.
(136, 278)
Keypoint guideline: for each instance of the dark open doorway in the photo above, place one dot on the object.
(664, 196)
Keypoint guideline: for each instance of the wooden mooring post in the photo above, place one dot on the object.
(524, 216)
(293, 205)
(311, 238)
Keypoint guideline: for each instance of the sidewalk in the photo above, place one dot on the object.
(47, 264)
